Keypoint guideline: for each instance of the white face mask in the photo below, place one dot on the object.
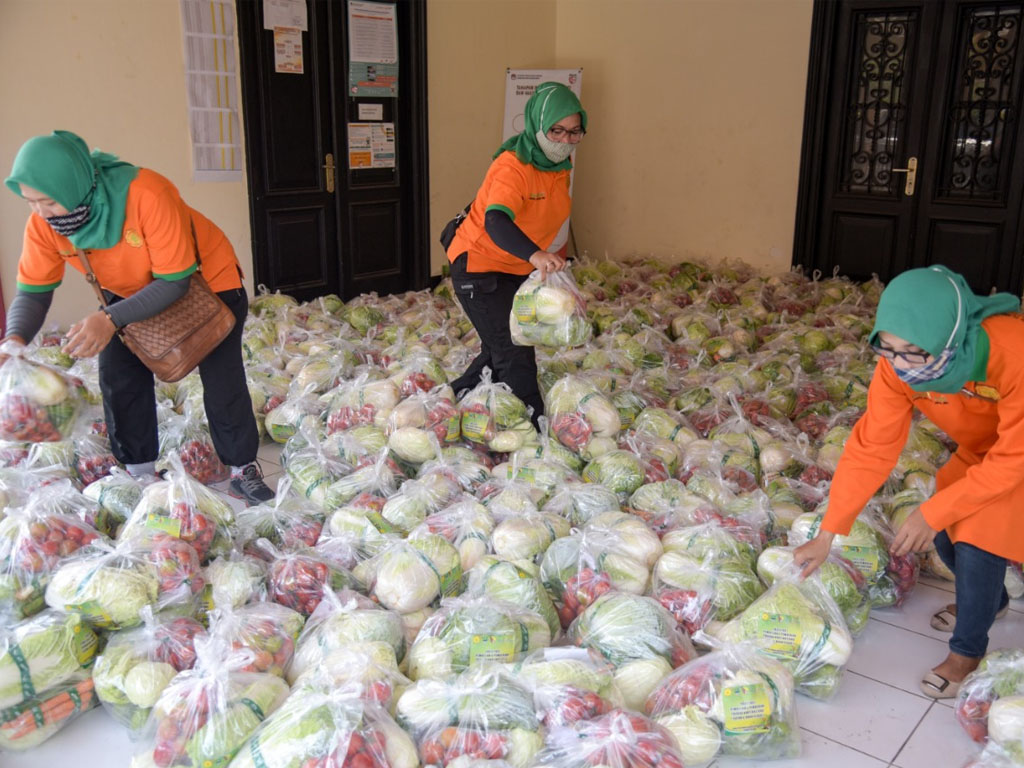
(555, 151)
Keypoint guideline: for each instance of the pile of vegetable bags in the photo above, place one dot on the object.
(692, 419)
(990, 705)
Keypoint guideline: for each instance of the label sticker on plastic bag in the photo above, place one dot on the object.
(92, 611)
(865, 559)
(453, 427)
(474, 425)
(451, 581)
(87, 643)
(524, 307)
(500, 648)
(167, 525)
(747, 708)
(782, 632)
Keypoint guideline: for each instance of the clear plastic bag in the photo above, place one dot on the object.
(999, 675)
(483, 714)
(299, 578)
(137, 664)
(516, 584)
(93, 457)
(569, 685)
(30, 723)
(37, 403)
(410, 574)
(117, 495)
(549, 311)
(580, 502)
(470, 630)
(265, 633)
(188, 439)
(619, 471)
(467, 525)
(285, 521)
(492, 416)
(363, 400)
(206, 714)
(618, 739)
(235, 579)
(581, 417)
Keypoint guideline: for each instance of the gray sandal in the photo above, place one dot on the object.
(945, 620)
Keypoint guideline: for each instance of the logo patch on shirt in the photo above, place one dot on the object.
(537, 196)
(133, 238)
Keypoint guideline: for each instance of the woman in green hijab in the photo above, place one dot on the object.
(511, 229)
(958, 358)
(143, 243)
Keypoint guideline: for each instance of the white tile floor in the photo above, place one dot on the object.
(879, 718)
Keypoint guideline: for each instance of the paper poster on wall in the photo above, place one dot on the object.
(519, 87)
(288, 50)
(285, 13)
(373, 49)
(371, 112)
(371, 145)
(212, 88)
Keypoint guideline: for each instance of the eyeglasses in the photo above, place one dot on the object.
(914, 358)
(558, 132)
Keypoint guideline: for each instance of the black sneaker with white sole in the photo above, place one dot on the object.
(249, 486)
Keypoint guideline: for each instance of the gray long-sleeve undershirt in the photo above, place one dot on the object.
(28, 310)
(507, 235)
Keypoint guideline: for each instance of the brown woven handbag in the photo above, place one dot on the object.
(172, 343)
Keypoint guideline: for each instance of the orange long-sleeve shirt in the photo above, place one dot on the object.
(980, 490)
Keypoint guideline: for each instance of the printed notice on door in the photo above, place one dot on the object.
(373, 49)
(371, 145)
(288, 50)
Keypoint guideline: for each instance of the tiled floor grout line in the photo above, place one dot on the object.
(890, 685)
(834, 740)
(912, 732)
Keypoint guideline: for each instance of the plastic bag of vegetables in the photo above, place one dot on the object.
(93, 456)
(569, 685)
(107, 585)
(416, 499)
(286, 520)
(363, 400)
(410, 574)
(116, 494)
(619, 471)
(544, 476)
(798, 624)
(580, 502)
(582, 418)
(321, 724)
(618, 739)
(345, 619)
(492, 416)
(636, 635)
(417, 371)
(41, 653)
(516, 584)
(299, 577)
(206, 714)
(137, 665)
(733, 701)
(999, 675)
(467, 525)
(37, 403)
(841, 579)
(525, 535)
(187, 438)
(235, 579)
(285, 420)
(483, 714)
(369, 669)
(179, 506)
(470, 630)
(30, 723)
(433, 411)
(549, 311)
(264, 633)
(33, 541)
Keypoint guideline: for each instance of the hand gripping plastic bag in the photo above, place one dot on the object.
(638, 636)
(345, 619)
(483, 714)
(618, 739)
(137, 665)
(321, 725)
(33, 542)
(206, 714)
(470, 630)
(549, 311)
(37, 403)
(733, 701)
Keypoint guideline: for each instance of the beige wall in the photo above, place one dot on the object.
(111, 71)
(696, 111)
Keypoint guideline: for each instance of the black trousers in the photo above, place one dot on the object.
(487, 299)
(129, 400)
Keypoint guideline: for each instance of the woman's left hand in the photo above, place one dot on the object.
(915, 535)
(90, 335)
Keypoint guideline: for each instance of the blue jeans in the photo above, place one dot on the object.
(980, 593)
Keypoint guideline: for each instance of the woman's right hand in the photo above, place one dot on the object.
(811, 555)
(546, 262)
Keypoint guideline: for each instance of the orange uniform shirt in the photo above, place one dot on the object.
(537, 201)
(980, 490)
(156, 242)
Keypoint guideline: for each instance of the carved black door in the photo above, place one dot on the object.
(912, 152)
(319, 226)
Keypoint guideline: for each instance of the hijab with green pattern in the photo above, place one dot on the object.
(934, 309)
(61, 166)
(550, 103)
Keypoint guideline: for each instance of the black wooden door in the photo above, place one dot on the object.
(318, 226)
(912, 150)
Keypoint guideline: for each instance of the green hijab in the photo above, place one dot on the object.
(550, 103)
(934, 309)
(61, 166)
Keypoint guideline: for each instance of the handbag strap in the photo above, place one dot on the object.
(90, 276)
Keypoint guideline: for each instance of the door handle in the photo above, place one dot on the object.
(329, 172)
(911, 171)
